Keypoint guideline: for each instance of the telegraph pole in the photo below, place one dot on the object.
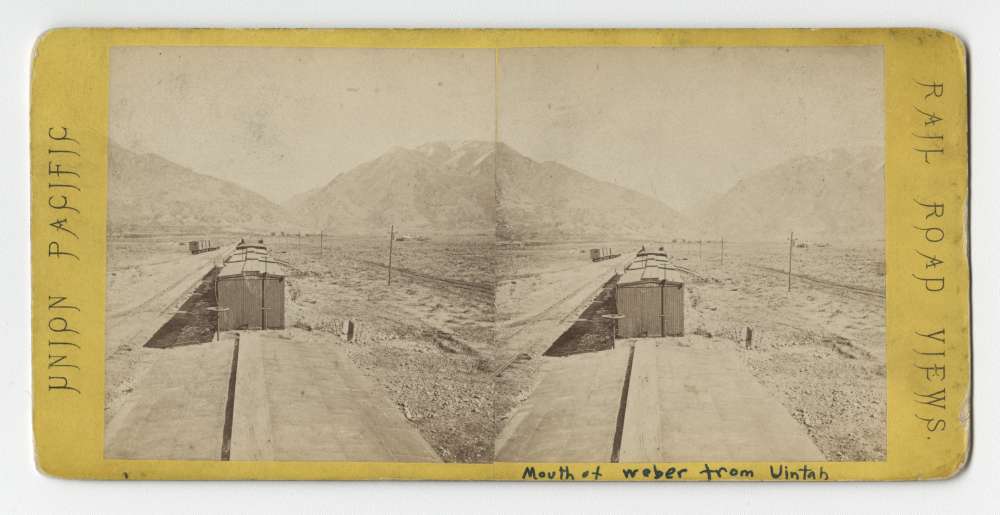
(321, 244)
(392, 236)
(791, 243)
(722, 251)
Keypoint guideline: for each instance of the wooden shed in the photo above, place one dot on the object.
(250, 291)
(650, 295)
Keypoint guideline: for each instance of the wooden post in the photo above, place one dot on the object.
(722, 251)
(218, 323)
(263, 307)
(791, 244)
(749, 338)
(392, 236)
(699, 253)
(321, 244)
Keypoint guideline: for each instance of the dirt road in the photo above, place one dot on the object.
(530, 317)
(142, 296)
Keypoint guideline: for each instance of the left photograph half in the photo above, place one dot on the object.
(301, 261)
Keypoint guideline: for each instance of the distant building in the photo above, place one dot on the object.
(650, 295)
(250, 290)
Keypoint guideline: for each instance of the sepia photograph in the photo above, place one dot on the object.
(691, 255)
(300, 255)
(400, 257)
(478, 255)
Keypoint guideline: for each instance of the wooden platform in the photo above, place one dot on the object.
(177, 410)
(688, 400)
(307, 401)
(694, 402)
(571, 415)
(292, 401)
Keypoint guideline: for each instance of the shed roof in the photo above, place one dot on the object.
(251, 260)
(252, 266)
(651, 269)
(645, 260)
(247, 253)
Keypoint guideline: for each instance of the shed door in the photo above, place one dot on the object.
(642, 306)
(240, 297)
(274, 302)
(252, 302)
(673, 310)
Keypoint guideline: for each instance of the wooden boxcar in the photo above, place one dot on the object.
(250, 291)
(650, 295)
(602, 254)
(199, 246)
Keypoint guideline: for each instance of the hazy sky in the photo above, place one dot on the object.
(680, 124)
(677, 124)
(281, 121)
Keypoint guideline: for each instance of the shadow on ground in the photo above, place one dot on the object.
(592, 332)
(193, 323)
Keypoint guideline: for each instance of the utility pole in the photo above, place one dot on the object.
(722, 250)
(700, 261)
(321, 244)
(791, 244)
(392, 236)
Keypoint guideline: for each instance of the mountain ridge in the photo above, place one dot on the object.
(429, 189)
(547, 199)
(488, 188)
(147, 191)
(465, 187)
(837, 194)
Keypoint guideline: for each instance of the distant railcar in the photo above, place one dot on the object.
(199, 246)
(250, 290)
(650, 295)
(602, 254)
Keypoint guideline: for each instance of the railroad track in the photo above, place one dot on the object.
(174, 290)
(481, 288)
(875, 294)
(521, 354)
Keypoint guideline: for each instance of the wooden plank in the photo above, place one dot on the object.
(177, 412)
(697, 402)
(571, 415)
(305, 400)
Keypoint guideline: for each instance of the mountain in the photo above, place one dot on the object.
(435, 188)
(480, 187)
(548, 200)
(835, 195)
(148, 192)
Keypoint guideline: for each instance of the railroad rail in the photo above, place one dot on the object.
(854, 289)
(481, 288)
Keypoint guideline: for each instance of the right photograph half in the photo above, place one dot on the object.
(690, 254)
